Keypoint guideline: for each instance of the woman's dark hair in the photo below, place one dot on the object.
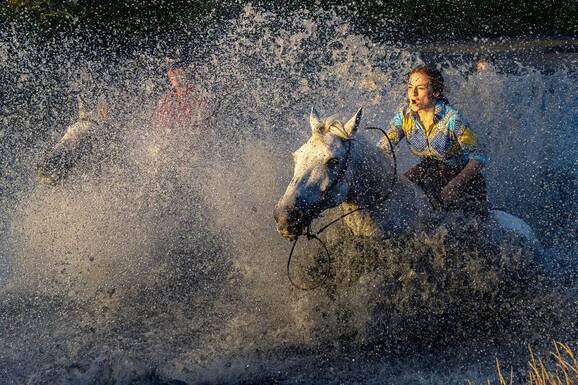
(435, 77)
(178, 60)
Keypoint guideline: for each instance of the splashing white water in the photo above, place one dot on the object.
(173, 263)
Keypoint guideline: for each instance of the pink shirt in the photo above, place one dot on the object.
(180, 111)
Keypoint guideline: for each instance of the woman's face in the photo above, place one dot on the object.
(176, 77)
(420, 92)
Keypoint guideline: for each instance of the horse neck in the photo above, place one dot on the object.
(372, 175)
(370, 182)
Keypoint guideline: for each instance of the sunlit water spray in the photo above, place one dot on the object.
(166, 263)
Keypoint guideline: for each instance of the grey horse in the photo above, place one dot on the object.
(87, 136)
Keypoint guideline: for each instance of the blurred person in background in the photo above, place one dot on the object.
(184, 106)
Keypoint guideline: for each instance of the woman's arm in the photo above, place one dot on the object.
(451, 190)
(469, 145)
(394, 133)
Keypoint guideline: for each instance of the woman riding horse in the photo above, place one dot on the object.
(451, 160)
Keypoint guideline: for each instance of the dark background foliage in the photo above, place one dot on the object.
(404, 20)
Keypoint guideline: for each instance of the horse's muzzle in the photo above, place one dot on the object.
(290, 221)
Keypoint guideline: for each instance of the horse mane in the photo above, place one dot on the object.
(334, 125)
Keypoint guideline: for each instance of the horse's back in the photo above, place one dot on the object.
(509, 224)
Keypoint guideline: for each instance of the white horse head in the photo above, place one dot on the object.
(75, 144)
(336, 166)
(322, 174)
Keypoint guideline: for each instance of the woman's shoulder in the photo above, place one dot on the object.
(448, 112)
(445, 107)
(400, 114)
(452, 117)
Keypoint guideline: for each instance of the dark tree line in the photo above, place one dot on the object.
(405, 19)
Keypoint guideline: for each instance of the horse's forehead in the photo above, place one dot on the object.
(82, 123)
(319, 146)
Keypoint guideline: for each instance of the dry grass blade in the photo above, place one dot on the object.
(565, 363)
(532, 357)
(545, 375)
(561, 363)
(564, 360)
(574, 364)
(501, 376)
(534, 372)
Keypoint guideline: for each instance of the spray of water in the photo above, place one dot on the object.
(163, 262)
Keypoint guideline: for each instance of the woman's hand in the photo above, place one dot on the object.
(449, 192)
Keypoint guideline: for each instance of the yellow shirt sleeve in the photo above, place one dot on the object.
(467, 138)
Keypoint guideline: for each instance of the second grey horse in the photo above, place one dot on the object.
(87, 139)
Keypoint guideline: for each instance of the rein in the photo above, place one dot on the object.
(310, 235)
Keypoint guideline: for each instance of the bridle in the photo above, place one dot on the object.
(318, 208)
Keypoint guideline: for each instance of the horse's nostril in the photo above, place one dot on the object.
(295, 215)
(286, 216)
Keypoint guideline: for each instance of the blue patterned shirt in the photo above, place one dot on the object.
(449, 138)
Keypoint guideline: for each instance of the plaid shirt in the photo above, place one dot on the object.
(449, 139)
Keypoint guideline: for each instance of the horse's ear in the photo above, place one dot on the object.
(314, 121)
(82, 111)
(101, 110)
(353, 123)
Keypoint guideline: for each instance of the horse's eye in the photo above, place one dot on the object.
(333, 162)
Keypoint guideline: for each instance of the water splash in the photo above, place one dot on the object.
(169, 267)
